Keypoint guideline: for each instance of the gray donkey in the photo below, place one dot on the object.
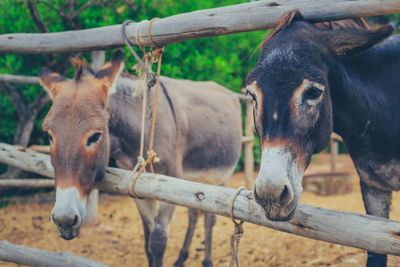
(96, 115)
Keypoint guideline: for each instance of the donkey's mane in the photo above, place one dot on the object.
(285, 20)
(289, 17)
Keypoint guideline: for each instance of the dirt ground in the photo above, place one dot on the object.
(117, 239)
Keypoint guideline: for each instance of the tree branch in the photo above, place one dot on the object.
(36, 17)
(20, 107)
(38, 103)
(73, 14)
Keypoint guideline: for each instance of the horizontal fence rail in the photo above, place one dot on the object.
(23, 79)
(349, 229)
(202, 23)
(36, 257)
(26, 183)
(10, 78)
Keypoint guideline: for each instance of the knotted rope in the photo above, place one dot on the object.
(238, 231)
(148, 80)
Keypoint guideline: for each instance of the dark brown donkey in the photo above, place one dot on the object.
(97, 115)
(312, 80)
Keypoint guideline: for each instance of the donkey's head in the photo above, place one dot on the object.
(77, 127)
(293, 113)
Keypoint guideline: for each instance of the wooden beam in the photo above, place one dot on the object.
(9, 78)
(337, 138)
(258, 15)
(98, 60)
(243, 97)
(334, 154)
(247, 139)
(248, 152)
(36, 257)
(31, 183)
(40, 148)
(345, 228)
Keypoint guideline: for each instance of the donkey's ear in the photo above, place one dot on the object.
(51, 82)
(110, 71)
(349, 42)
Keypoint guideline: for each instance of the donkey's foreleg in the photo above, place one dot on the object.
(184, 253)
(159, 235)
(209, 222)
(148, 213)
(377, 202)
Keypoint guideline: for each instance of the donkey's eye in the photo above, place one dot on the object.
(312, 93)
(94, 138)
(48, 136)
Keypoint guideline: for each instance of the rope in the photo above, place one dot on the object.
(129, 44)
(143, 120)
(154, 105)
(146, 77)
(137, 37)
(238, 231)
(149, 32)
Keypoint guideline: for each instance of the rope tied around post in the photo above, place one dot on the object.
(238, 231)
(149, 79)
(150, 34)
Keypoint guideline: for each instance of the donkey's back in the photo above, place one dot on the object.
(198, 131)
(209, 123)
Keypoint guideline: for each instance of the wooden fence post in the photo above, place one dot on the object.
(334, 154)
(249, 145)
(98, 59)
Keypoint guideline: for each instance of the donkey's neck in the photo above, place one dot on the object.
(125, 108)
(365, 93)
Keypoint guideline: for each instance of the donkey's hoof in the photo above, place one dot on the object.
(183, 256)
(207, 263)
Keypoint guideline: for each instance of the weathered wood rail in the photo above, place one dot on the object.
(41, 258)
(210, 22)
(10, 78)
(349, 229)
(26, 183)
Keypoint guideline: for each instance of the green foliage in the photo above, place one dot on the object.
(224, 59)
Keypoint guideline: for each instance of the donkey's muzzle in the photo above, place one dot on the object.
(68, 212)
(278, 184)
(276, 209)
(68, 226)
(68, 233)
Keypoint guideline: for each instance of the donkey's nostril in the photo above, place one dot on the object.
(286, 195)
(76, 221)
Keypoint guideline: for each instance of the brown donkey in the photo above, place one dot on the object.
(97, 115)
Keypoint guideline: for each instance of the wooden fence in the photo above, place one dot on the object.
(349, 229)
(361, 231)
